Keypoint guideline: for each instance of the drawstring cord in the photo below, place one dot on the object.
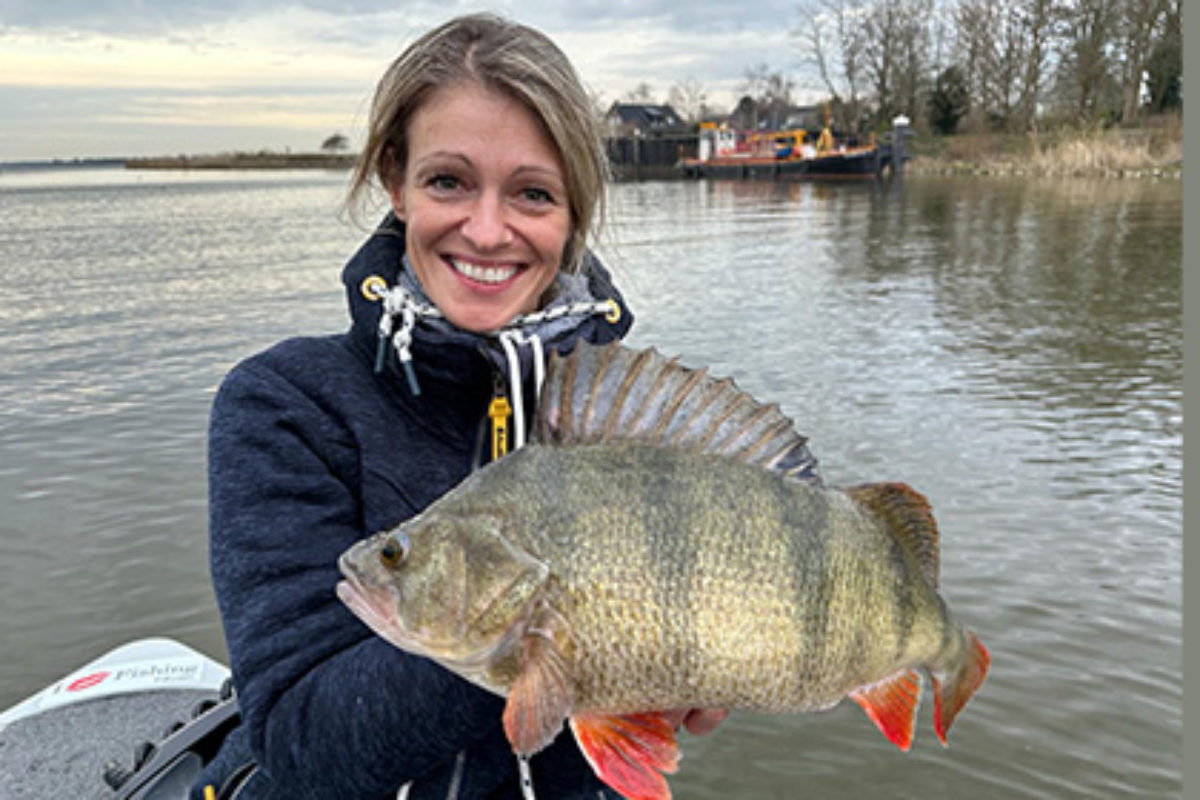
(510, 340)
(399, 304)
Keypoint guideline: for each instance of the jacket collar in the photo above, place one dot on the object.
(442, 352)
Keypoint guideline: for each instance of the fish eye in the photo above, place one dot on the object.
(394, 550)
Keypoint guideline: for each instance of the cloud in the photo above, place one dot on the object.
(285, 68)
(143, 17)
(124, 17)
(263, 49)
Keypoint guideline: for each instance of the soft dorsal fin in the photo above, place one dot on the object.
(907, 514)
(613, 392)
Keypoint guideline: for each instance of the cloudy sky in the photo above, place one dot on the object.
(88, 78)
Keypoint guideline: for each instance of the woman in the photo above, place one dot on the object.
(484, 141)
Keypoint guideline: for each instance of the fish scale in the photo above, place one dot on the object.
(733, 594)
(665, 542)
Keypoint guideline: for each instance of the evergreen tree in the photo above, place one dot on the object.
(950, 101)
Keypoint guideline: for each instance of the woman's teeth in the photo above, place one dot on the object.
(483, 274)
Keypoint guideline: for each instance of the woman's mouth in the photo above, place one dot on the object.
(488, 274)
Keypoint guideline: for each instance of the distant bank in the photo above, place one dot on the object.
(245, 161)
(1152, 150)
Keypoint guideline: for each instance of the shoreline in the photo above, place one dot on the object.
(245, 161)
(1152, 152)
(923, 165)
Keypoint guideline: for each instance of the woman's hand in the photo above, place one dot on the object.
(697, 721)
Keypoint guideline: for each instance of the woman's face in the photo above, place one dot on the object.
(485, 204)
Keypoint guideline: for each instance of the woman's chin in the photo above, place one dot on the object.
(479, 318)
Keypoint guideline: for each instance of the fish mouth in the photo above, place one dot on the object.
(363, 605)
(371, 607)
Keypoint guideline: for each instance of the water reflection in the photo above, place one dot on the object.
(1015, 351)
(1012, 349)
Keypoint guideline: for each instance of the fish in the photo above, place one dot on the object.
(664, 541)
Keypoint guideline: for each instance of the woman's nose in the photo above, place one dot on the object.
(486, 225)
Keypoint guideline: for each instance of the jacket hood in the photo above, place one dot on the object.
(435, 348)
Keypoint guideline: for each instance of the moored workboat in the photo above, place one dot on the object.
(783, 155)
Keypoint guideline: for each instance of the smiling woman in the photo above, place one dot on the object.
(530, 72)
(483, 140)
(485, 204)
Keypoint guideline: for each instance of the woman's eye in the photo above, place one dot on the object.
(443, 183)
(534, 194)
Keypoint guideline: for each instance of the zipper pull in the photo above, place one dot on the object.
(498, 412)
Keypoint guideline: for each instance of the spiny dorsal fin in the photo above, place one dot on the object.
(907, 514)
(613, 392)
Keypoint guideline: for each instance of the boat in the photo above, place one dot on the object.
(136, 723)
(790, 154)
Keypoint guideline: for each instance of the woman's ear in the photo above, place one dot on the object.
(395, 191)
(394, 181)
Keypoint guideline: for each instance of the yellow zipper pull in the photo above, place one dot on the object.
(498, 411)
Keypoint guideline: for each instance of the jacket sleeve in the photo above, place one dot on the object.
(331, 709)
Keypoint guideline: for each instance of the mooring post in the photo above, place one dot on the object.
(899, 138)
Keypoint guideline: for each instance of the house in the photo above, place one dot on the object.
(749, 115)
(640, 119)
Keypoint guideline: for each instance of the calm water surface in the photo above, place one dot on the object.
(1012, 349)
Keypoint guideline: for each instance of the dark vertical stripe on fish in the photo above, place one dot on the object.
(658, 490)
(904, 606)
(814, 582)
(949, 631)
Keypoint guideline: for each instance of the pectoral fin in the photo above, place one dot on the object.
(892, 705)
(629, 752)
(541, 696)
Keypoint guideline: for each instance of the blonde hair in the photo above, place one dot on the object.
(503, 56)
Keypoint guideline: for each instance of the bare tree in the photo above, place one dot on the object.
(642, 93)
(689, 98)
(831, 38)
(1164, 71)
(754, 85)
(896, 52)
(881, 54)
(1003, 50)
(877, 50)
(1085, 78)
(972, 23)
(777, 98)
(1096, 58)
(600, 104)
(915, 47)
(1037, 21)
(1138, 22)
(771, 92)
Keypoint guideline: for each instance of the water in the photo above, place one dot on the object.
(1013, 349)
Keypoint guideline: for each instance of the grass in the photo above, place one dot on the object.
(1153, 150)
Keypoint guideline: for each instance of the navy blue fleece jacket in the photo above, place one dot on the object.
(310, 450)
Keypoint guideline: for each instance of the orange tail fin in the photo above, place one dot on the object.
(949, 699)
(629, 752)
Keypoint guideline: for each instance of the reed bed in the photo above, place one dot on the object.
(1153, 150)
